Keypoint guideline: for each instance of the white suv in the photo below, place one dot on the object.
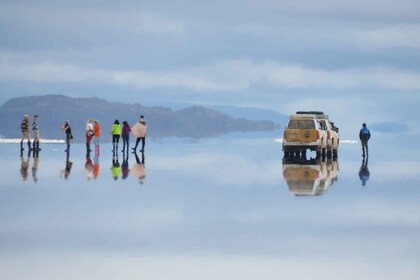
(303, 132)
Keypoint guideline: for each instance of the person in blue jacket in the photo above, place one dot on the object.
(364, 136)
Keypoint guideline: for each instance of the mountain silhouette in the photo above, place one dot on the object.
(53, 110)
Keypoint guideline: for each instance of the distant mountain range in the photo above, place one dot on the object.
(53, 110)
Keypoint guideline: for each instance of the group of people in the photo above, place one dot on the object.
(138, 130)
(26, 133)
(93, 129)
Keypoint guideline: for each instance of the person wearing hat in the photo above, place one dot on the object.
(364, 136)
(24, 127)
(35, 129)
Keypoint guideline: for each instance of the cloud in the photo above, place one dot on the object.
(221, 76)
(236, 75)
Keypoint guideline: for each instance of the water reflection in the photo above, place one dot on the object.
(24, 165)
(364, 171)
(309, 177)
(116, 167)
(88, 167)
(139, 168)
(65, 173)
(125, 166)
(96, 166)
(35, 166)
(25, 162)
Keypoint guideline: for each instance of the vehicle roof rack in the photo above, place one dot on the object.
(318, 114)
(310, 112)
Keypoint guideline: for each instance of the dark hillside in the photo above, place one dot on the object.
(196, 121)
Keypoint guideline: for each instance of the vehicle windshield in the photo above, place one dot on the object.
(301, 124)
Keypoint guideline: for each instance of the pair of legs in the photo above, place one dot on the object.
(115, 141)
(365, 148)
(88, 140)
(36, 140)
(126, 140)
(25, 135)
(143, 143)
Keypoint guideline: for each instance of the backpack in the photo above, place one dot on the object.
(365, 134)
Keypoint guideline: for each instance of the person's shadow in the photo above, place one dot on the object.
(364, 171)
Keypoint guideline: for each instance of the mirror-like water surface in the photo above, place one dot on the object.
(221, 208)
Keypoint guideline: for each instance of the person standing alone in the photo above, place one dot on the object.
(364, 136)
(35, 129)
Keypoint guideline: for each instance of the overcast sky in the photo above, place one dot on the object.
(357, 60)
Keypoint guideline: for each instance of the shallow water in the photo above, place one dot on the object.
(225, 208)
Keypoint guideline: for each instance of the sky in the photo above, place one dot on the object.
(356, 60)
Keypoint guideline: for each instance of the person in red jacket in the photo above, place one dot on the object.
(125, 135)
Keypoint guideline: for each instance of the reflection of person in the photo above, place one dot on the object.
(89, 134)
(364, 171)
(24, 166)
(125, 168)
(69, 135)
(35, 167)
(116, 168)
(96, 165)
(116, 133)
(66, 171)
(125, 135)
(139, 168)
(364, 136)
(141, 136)
(24, 127)
(35, 130)
(88, 169)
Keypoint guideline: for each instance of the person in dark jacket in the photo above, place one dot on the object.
(364, 136)
(69, 135)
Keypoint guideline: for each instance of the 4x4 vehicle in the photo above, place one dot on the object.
(333, 138)
(303, 132)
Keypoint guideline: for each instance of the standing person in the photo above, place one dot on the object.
(24, 126)
(69, 135)
(364, 136)
(97, 132)
(35, 129)
(89, 134)
(116, 133)
(125, 135)
(140, 134)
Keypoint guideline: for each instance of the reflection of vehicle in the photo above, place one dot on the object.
(333, 138)
(309, 177)
(303, 132)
